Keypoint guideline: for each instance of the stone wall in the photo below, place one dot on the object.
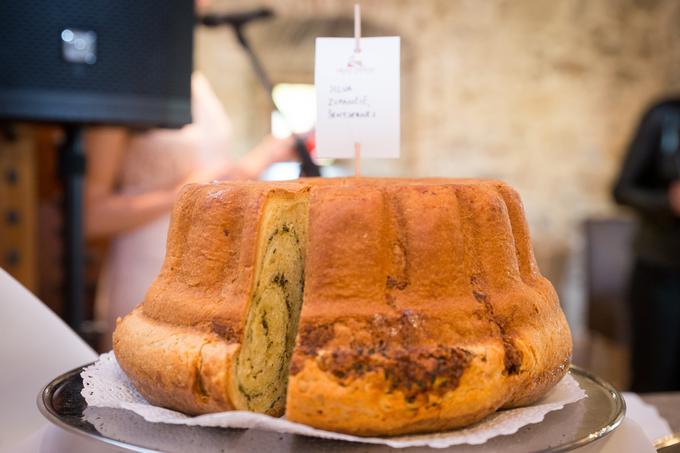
(542, 94)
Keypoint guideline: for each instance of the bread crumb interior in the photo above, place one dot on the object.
(274, 312)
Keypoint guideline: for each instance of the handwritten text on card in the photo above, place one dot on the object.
(357, 97)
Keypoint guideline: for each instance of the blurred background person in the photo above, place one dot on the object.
(649, 183)
(132, 179)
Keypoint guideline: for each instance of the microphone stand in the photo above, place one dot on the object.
(307, 167)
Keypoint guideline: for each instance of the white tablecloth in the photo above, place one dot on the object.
(35, 346)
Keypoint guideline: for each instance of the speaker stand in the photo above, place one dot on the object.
(72, 172)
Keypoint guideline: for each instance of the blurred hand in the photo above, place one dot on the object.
(219, 172)
(273, 150)
(269, 151)
(674, 197)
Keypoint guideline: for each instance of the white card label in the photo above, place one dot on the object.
(357, 97)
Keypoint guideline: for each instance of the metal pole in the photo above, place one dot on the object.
(72, 171)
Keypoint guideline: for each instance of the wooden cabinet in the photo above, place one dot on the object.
(18, 204)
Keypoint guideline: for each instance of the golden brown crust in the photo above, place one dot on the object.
(179, 344)
(208, 271)
(423, 307)
(453, 258)
(173, 366)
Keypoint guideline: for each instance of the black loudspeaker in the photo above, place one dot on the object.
(97, 61)
(80, 62)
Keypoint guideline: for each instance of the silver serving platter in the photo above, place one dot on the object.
(575, 425)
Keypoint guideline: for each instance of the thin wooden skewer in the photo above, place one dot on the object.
(357, 159)
(357, 49)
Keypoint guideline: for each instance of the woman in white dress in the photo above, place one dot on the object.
(132, 180)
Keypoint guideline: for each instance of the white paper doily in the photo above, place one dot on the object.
(106, 385)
